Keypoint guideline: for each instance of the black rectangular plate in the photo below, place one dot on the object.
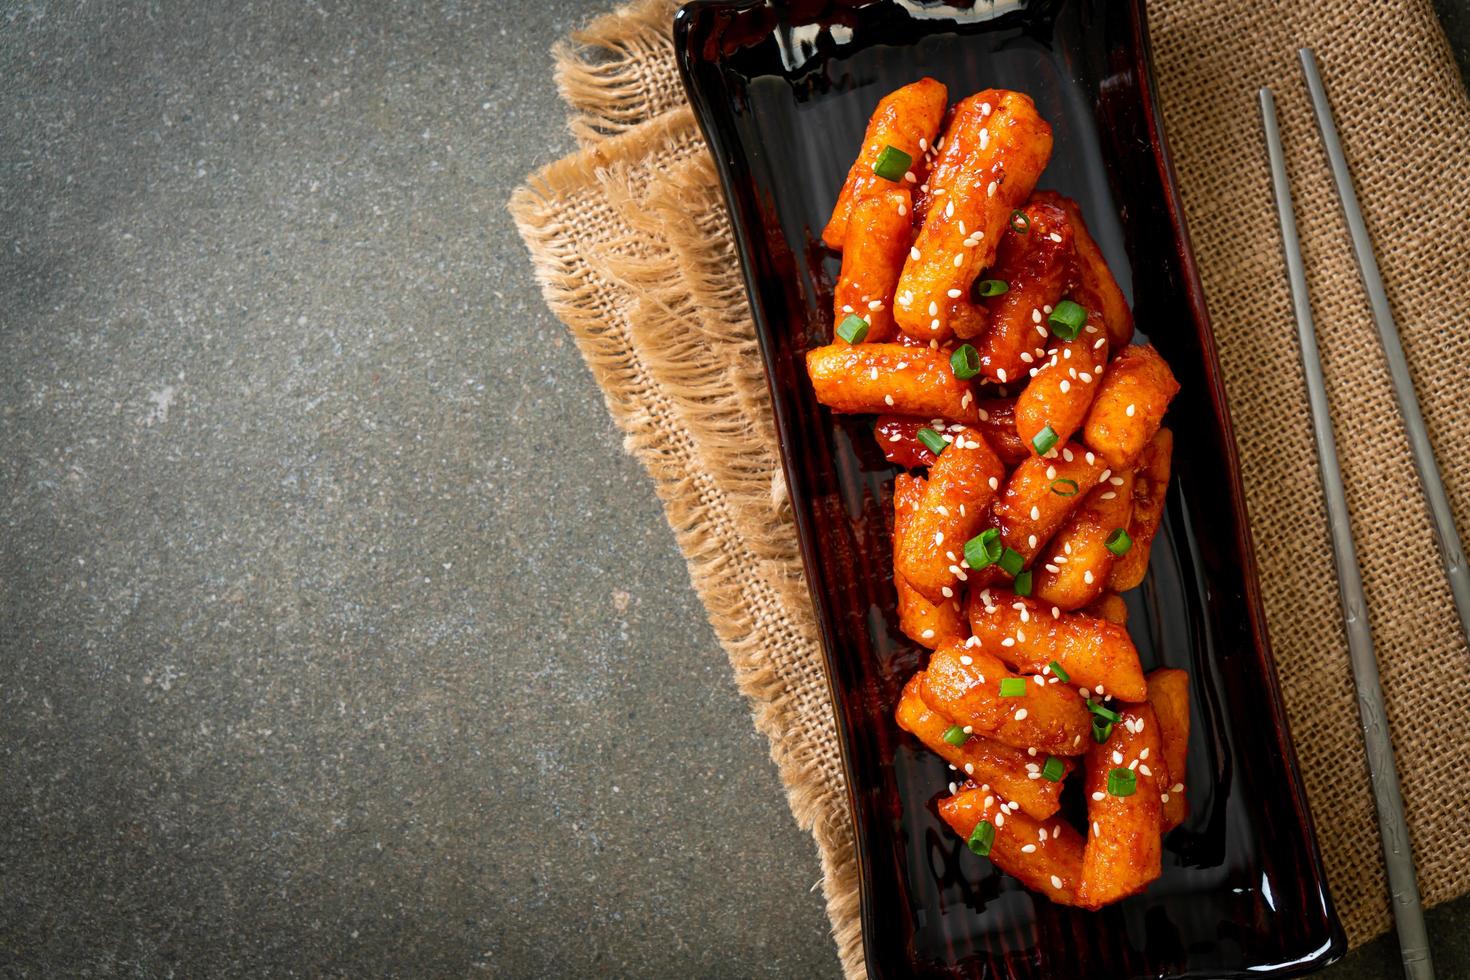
(783, 92)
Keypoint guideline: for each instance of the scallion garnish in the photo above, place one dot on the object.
(1106, 713)
(933, 441)
(1010, 562)
(983, 549)
(1020, 222)
(955, 735)
(992, 287)
(1054, 769)
(1122, 782)
(1066, 320)
(1064, 487)
(1044, 441)
(982, 838)
(964, 362)
(1022, 584)
(853, 329)
(892, 163)
(1101, 730)
(1013, 687)
(1119, 542)
(1061, 674)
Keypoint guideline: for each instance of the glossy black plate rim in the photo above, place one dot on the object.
(742, 209)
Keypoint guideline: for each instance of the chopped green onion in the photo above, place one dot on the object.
(1061, 674)
(1101, 730)
(892, 163)
(1020, 222)
(1044, 441)
(1119, 542)
(983, 549)
(1064, 487)
(1013, 687)
(932, 440)
(1010, 562)
(853, 329)
(1054, 769)
(964, 362)
(1066, 320)
(1022, 584)
(1108, 714)
(982, 838)
(1122, 782)
(955, 735)
(992, 287)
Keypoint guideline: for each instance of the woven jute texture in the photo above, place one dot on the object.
(631, 244)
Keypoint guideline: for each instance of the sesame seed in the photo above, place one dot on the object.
(969, 729)
(1087, 577)
(1144, 770)
(959, 259)
(990, 189)
(947, 592)
(1026, 357)
(1133, 764)
(903, 209)
(1067, 455)
(1035, 513)
(913, 254)
(1129, 411)
(1098, 795)
(984, 138)
(1030, 538)
(1035, 316)
(1065, 386)
(966, 659)
(1056, 613)
(1000, 819)
(934, 324)
(1009, 641)
(888, 400)
(939, 537)
(1096, 830)
(1177, 788)
(1163, 797)
(965, 400)
(927, 634)
(969, 768)
(952, 789)
(1001, 374)
(1056, 882)
(901, 365)
(1117, 758)
(1098, 689)
(923, 144)
(875, 305)
(873, 373)
(949, 209)
(1029, 848)
(1085, 378)
(847, 309)
(953, 294)
(896, 437)
(909, 176)
(1055, 237)
(994, 483)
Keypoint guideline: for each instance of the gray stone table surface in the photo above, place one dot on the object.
(339, 636)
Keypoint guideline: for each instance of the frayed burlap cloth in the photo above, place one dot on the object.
(631, 244)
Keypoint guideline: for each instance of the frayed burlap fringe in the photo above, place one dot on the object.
(632, 246)
(639, 271)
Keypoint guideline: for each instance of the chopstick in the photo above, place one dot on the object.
(1442, 519)
(1398, 858)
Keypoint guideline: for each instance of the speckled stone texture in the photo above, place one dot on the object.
(338, 635)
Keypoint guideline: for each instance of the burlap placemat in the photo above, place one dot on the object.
(631, 243)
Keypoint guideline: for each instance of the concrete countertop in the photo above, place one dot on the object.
(340, 637)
